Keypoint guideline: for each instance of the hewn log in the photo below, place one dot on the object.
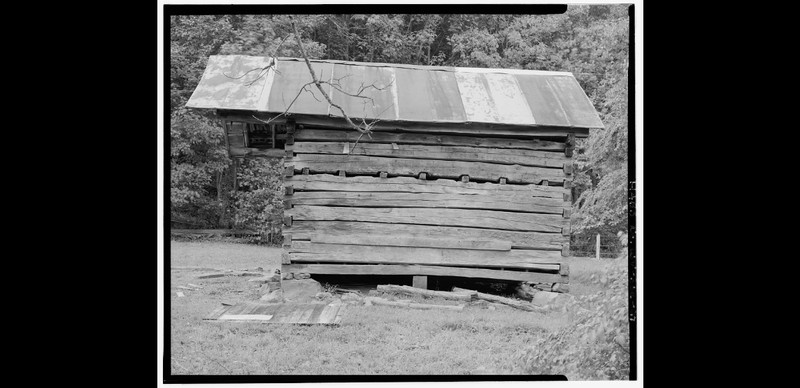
(466, 154)
(305, 251)
(531, 222)
(501, 201)
(413, 291)
(357, 164)
(427, 139)
(303, 230)
(400, 240)
(325, 182)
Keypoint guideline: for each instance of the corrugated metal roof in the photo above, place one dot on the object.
(397, 92)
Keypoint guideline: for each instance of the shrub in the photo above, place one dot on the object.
(595, 346)
(258, 204)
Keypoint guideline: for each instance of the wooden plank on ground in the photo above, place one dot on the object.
(466, 154)
(303, 230)
(517, 203)
(429, 270)
(357, 164)
(429, 139)
(306, 313)
(412, 241)
(304, 251)
(531, 222)
(325, 182)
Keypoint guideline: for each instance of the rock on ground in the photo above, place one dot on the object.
(301, 291)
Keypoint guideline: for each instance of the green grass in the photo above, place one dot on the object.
(369, 340)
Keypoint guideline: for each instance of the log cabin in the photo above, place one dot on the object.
(466, 173)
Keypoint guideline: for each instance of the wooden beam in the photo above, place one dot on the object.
(400, 240)
(325, 182)
(467, 154)
(503, 180)
(304, 230)
(428, 139)
(531, 222)
(465, 178)
(289, 171)
(420, 282)
(422, 176)
(369, 165)
(305, 251)
(517, 203)
(384, 174)
(421, 291)
(564, 269)
(429, 270)
(527, 306)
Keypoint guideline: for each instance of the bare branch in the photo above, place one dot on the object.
(318, 84)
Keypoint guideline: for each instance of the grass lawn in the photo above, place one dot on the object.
(369, 340)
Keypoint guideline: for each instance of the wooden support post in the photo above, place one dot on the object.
(423, 175)
(566, 213)
(420, 282)
(287, 203)
(565, 249)
(568, 196)
(465, 178)
(384, 174)
(598, 247)
(503, 181)
(289, 190)
(289, 139)
(305, 171)
(564, 269)
(568, 168)
(287, 240)
(289, 171)
(570, 145)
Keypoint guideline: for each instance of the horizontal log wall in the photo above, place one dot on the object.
(426, 204)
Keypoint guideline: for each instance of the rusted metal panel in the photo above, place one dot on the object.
(414, 95)
(232, 82)
(447, 103)
(476, 97)
(512, 108)
(574, 101)
(542, 100)
(423, 94)
(288, 83)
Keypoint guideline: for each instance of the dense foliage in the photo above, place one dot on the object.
(589, 41)
(596, 344)
(259, 200)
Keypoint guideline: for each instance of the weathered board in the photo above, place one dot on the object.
(531, 222)
(395, 240)
(328, 135)
(370, 165)
(303, 230)
(516, 203)
(307, 313)
(458, 153)
(305, 251)
(326, 182)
